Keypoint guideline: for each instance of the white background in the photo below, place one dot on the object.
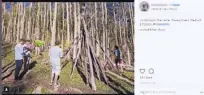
(177, 55)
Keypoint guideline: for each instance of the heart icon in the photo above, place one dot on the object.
(142, 71)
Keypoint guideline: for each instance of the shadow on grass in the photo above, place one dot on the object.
(8, 67)
(64, 64)
(8, 74)
(128, 77)
(115, 85)
(5, 54)
(23, 73)
(16, 88)
(81, 74)
(7, 64)
(32, 65)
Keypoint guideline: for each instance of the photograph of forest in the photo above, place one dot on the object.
(68, 47)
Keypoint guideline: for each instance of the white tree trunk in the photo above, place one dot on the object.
(68, 32)
(97, 32)
(75, 29)
(104, 38)
(54, 25)
(18, 23)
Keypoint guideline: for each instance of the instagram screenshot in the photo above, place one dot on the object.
(169, 47)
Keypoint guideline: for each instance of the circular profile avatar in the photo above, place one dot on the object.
(144, 6)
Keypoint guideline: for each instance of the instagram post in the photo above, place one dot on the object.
(69, 47)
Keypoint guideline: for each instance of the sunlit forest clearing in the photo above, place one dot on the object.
(88, 33)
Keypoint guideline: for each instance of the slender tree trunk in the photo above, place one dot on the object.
(131, 20)
(51, 16)
(44, 22)
(47, 29)
(106, 29)
(115, 23)
(14, 23)
(2, 25)
(8, 32)
(126, 36)
(58, 25)
(75, 29)
(54, 25)
(78, 22)
(119, 24)
(18, 23)
(63, 29)
(37, 28)
(22, 20)
(104, 32)
(29, 22)
(71, 21)
(68, 30)
(97, 32)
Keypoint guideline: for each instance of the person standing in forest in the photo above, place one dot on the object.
(19, 58)
(38, 45)
(118, 58)
(27, 51)
(55, 54)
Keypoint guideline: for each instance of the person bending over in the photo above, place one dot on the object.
(27, 51)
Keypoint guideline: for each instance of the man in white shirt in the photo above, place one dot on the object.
(18, 58)
(55, 54)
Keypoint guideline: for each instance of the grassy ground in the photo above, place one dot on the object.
(7, 58)
(75, 82)
(39, 75)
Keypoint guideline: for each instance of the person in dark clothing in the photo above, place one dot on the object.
(118, 55)
(27, 52)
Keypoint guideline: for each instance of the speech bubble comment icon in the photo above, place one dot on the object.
(151, 71)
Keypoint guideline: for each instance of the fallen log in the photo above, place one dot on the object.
(67, 51)
(129, 66)
(6, 45)
(121, 78)
(111, 63)
(129, 69)
(92, 80)
(75, 60)
(98, 64)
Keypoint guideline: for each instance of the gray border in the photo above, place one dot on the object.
(0, 48)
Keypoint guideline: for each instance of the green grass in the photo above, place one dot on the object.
(28, 90)
(42, 72)
(8, 59)
(130, 75)
(105, 89)
(44, 91)
(123, 85)
(65, 78)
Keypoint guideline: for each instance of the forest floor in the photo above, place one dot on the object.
(37, 78)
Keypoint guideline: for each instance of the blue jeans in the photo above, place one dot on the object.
(18, 68)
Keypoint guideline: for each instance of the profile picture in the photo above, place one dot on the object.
(144, 6)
